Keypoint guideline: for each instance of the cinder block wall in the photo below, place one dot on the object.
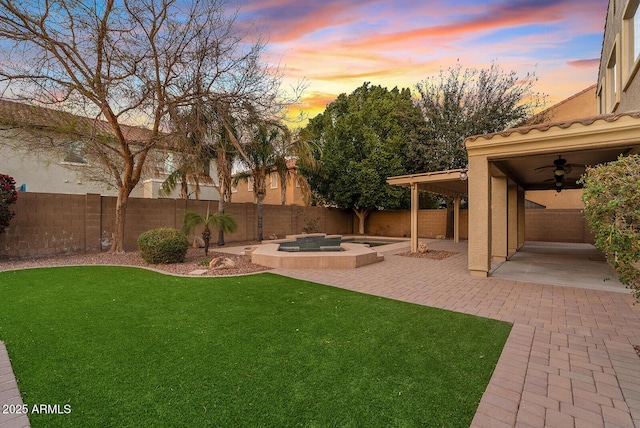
(431, 223)
(47, 224)
(557, 226)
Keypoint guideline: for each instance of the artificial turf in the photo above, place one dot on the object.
(126, 347)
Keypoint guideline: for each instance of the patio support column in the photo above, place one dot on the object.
(415, 199)
(499, 227)
(521, 217)
(479, 216)
(512, 218)
(456, 219)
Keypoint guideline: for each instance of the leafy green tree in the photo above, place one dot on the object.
(459, 103)
(357, 141)
(223, 222)
(611, 197)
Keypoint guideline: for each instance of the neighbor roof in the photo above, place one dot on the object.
(21, 114)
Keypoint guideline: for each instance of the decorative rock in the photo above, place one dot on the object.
(440, 237)
(422, 248)
(221, 263)
(273, 236)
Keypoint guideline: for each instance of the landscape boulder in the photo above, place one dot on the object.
(221, 263)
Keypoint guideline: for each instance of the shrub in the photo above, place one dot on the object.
(612, 208)
(164, 245)
(8, 196)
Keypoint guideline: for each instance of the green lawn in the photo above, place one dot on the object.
(127, 347)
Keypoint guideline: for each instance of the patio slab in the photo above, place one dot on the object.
(580, 265)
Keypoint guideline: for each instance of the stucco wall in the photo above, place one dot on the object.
(615, 37)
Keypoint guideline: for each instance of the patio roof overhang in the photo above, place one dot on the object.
(526, 155)
(451, 183)
(504, 165)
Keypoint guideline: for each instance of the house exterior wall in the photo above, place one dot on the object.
(48, 173)
(552, 200)
(618, 86)
(45, 173)
(243, 192)
(582, 104)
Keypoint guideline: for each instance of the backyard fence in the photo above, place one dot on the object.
(47, 223)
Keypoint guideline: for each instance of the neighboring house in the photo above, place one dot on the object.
(618, 86)
(294, 194)
(67, 170)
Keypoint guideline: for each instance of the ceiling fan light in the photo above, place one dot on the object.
(559, 172)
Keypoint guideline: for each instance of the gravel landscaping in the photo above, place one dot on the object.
(192, 262)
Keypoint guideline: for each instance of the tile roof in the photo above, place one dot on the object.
(562, 125)
(17, 113)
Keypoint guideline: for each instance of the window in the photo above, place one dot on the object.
(631, 42)
(602, 103)
(250, 185)
(274, 180)
(74, 152)
(168, 166)
(612, 87)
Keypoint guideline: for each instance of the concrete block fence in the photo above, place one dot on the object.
(47, 223)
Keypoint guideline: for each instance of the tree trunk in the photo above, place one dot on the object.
(117, 246)
(362, 216)
(206, 236)
(449, 229)
(260, 219)
(221, 204)
(184, 188)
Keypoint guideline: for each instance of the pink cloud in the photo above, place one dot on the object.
(585, 63)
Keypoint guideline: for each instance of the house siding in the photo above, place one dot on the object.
(615, 39)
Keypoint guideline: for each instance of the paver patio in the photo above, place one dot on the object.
(569, 360)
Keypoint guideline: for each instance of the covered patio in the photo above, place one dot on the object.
(503, 166)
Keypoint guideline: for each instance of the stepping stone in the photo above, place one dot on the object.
(198, 272)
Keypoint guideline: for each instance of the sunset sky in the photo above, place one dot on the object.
(336, 45)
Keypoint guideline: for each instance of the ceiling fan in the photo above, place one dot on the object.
(560, 169)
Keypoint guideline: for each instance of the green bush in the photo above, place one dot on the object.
(612, 207)
(164, 245)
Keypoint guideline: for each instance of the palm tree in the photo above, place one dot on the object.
(192, 148)
(268, 149)
(222, 222)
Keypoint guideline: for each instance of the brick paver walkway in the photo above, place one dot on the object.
(569, 360)
(10, 417)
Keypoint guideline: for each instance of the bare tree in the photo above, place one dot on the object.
(125, 62)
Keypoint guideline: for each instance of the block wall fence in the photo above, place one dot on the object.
(47, 224)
